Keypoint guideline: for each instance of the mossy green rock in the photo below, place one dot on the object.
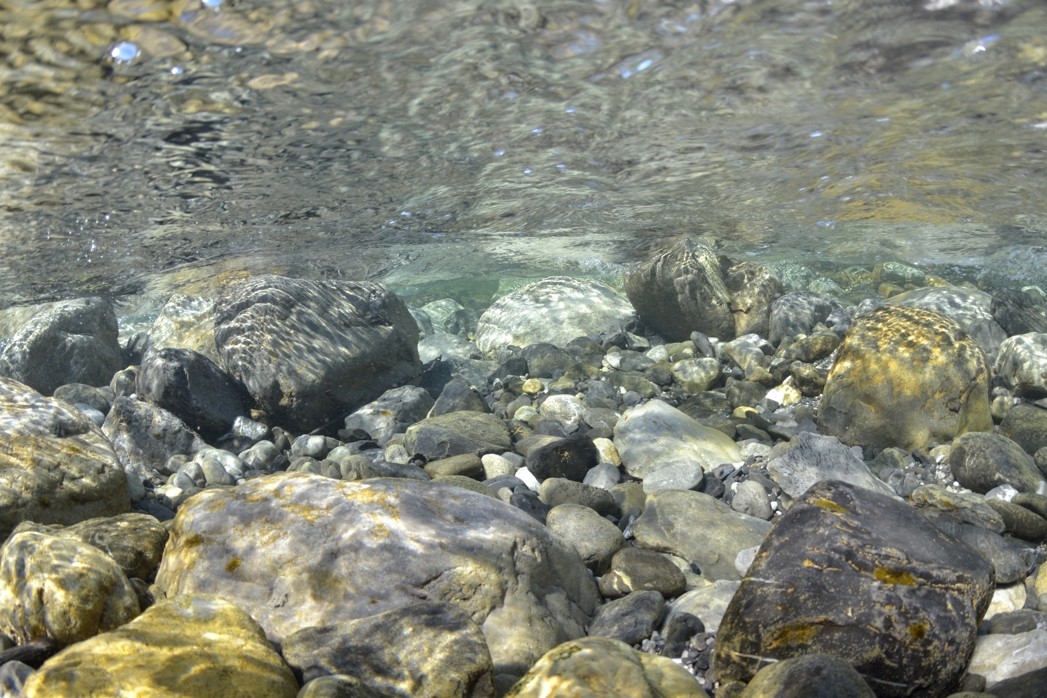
(298, 550)
(905, 377)
(864, 577)
(194, 645)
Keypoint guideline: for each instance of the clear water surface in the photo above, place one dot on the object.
(148, 146)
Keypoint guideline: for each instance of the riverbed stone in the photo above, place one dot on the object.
(554, 310)
(311, 351)
(595, 538)
(570, 457)
(361, 548)
(798, 312)
(638, 569)
(599, 667)
(193, 388)
(812, 458)
(1022, 364)
(752, 288)
(702, 530)
(962, 506)
(655, 432)
(72, 341)
(682, 290)
(810, 676)
(707, 603)
(193, 645)
(428, 650)
(56, 465)
(864, 577)
(1000, 657)
(981, 461)
(1026, 425)
(391, 413)
(144, 436)
(185, 322)
(60, 589)
(631, 618)
(905, 377)
(969, 307)
(457, 433)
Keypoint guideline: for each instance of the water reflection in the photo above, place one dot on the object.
(151, 145)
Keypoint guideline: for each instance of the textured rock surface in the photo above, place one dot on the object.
(981, 461)
(391, 413)
(597, 667)
(1022, 364)
(698, 528)
(798, 312)
(656, 432)
(682, 290)
(194, 645)
(863, 577)
(69, 342)
(554, 310)
(752, 288)
(812, 458)
(969, 307)
(361, 548)
(810, 676)
(144, 436)
(56, 466)
(426, 650)
(185, 322)
(60, 589)
(311, 351)
(193, 388)
(457, 433)
(905, 377)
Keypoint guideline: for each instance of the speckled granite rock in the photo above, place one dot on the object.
(194, 645)
(863, 577)
(597, 667)
(554, 310)
(144, 436)
(60, 589)
(309, 352)
(905, 377)
(361, 548)
(56, 466)
(69, 342)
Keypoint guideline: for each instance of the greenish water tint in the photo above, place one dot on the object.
(147, 146)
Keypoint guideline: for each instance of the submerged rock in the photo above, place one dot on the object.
(357, 549)
(864, 577)
(905, 377)
(309, 352)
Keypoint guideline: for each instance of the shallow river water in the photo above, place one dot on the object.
(148, 146)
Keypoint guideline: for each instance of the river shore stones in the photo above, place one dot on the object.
(192, 645)
(309, 352)
(864, 577)
(362, 548)
(69, 342)
(905, 377)
(554, 310)
(56, 465)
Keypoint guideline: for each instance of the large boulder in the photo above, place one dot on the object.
(193, 388)
(968, 307)
(195, 645)
(905, 377)
(554, 310)
(861, 576)
(310, 352)
(56, 466)
(681, 291)
(298, 550)
(69, 342)
(60, 589)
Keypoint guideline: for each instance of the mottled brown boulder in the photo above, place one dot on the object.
(905, 377)
(864, 577)
(310, 352)
(56, 466)
(753, 288)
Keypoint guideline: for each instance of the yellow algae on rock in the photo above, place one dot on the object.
(905, 377)
(192, 645)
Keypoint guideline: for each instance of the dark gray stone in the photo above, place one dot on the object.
(570, 457)
(394, 411)
(456, 433)
(547, 360)
(680, 291)
(194, 389)
(752, 287)
(1026, 425)
(864, 577)
(1019, 521)
(798, 312)
(311, 351)
(630, 619)
(70, 342)
(1017, 312)
(810, 676)
(1012, 559)
(144, 436)
(982, 461)
(458, 396)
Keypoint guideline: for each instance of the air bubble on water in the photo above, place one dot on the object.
(498, 152)
(527, 170)
(212, 4)
(124, 52)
